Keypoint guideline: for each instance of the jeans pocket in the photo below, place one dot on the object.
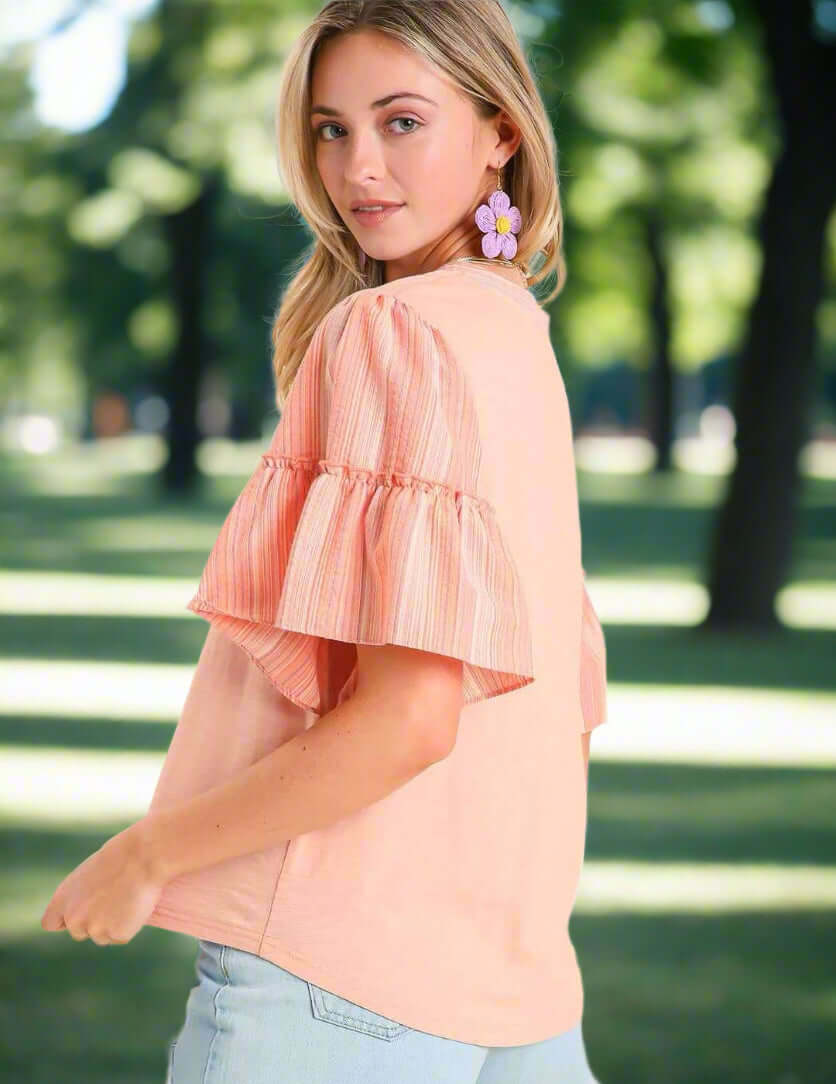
(339, 1010)
(210, 962)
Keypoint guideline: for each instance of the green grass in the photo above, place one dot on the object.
(732, 996)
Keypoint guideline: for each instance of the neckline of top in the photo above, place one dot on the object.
(519, 293)
(516, 291)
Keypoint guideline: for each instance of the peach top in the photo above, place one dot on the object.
(419, 489)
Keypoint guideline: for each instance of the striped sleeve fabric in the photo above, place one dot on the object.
(364, 522)
(593, 666)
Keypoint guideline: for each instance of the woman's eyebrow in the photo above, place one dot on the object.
(329, 112)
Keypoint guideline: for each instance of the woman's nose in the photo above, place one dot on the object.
(364, 161)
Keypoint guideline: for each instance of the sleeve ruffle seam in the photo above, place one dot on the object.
(364, 476)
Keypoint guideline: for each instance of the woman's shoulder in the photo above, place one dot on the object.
(449, 295)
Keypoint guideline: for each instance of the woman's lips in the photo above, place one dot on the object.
(371, 218)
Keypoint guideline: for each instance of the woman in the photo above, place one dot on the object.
(372, 813)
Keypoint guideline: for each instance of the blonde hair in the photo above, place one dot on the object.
(474, 43)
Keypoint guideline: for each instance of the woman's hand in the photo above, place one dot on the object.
(109, 897)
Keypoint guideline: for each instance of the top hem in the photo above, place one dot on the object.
(373, 998)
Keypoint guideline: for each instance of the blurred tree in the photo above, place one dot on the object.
(681, 116)
(661, 160)
(752, 542)
(170, 253)
(34, 324)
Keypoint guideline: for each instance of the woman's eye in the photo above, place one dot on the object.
(322, 128)
(409, 120)
(394, 120)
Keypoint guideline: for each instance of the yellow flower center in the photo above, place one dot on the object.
(503, 224)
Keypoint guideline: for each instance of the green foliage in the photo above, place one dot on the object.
(658, 107)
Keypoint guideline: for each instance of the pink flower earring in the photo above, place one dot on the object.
(499, 221)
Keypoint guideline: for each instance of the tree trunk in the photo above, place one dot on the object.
(752, 542)
(189, 233)
(661, 377)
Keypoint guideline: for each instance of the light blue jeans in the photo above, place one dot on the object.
(249, 1021)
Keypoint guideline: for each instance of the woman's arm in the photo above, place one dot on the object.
(585, 739)
(401, 719)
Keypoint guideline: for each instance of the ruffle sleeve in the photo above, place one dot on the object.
(364, 524)
(593, 666)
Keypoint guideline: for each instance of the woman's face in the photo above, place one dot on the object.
(389, 127)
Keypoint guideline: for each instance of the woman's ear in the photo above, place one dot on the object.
(508, 137)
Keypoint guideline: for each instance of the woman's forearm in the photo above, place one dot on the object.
(354, 755)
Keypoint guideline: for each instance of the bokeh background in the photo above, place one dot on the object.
(144, 242)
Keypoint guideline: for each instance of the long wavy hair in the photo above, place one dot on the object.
(474, 43)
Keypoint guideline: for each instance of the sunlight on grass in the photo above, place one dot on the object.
(152, 534)
(73, 481)
(97, 468)
(710, 887)
(71, 789)
(86, 690)
(696, 724)
(614, 454)
(632, 453)
(647, 602)
(810, 606)
(617, 600)
(703, 455)
(818, 459)
(621, 601)
(218, 455)
(94, 595)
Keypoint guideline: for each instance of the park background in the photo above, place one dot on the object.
(144, 243)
